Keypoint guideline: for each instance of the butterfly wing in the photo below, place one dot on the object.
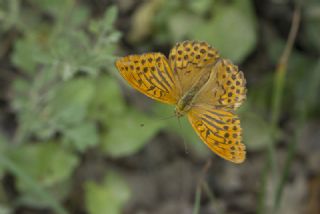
(220, 130)
(225, 89)
(188, 58)
(151, 75)
(212, 116)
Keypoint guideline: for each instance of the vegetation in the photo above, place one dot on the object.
(74, 138)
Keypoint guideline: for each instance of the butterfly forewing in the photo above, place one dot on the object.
(151, 75)
(220, 130)
(188, 58)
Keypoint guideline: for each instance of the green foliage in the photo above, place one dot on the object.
(82, 136)
(67, 101)
(37, 195)
(101, 109)
(230, 28)
(60, 98)
(49, 165)
(107, 197)
(115, 118)
(116, 144)
(311, 31)
(45, 104)
(9, 11)
(256, 131)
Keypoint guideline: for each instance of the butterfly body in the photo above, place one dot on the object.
(201, 85)
(187, 100)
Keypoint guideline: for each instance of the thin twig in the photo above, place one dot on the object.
(282, 67)
(279, 82)
(283, 62)
(204, 171)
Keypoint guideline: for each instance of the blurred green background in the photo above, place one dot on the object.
(75, 138)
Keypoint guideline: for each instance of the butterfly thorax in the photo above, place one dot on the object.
(187, 100)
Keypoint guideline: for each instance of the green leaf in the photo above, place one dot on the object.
(70, 104)
(27, 54)
(104, 24)
(55, 7)
(311, 28)
(71, 50)
(108, 100)
(49, 165)
(126, 136)
(108, 197)
(9, 14)
(81, 136)
(230, 30)
(4, 209)
(200, 6)
(179, 24)
(257, 133)
(23, 175)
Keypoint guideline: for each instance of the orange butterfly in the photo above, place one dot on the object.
(200, 84)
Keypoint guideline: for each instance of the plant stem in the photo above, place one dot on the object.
(279, 83)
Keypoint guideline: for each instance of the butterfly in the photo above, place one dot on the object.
(201, 84)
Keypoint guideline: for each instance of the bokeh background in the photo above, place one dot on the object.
(75, 138)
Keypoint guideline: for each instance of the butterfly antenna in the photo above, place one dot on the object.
(183, 140)
(166, 118)
(160, 119)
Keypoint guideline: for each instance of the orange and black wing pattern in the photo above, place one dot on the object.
(151, 75)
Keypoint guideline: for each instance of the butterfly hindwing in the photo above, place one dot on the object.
(220, 130)
(151, 75)
(226, 88)
(188, 58)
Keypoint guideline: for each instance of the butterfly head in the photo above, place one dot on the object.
(180, 111)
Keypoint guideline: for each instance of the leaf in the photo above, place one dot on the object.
(70, 104)
(71, 52)
(28, 53)
(4, 209)
(108, 100)
(64, 106)
(104, 24)
(56, 7)
(81, 136)
(47, 164)
(200, 6)
(230, 30)
(257, 133)
(311, 28)
(108, 197)
(126, 136)
(19, 172)
(179, 24)
(101, 55)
